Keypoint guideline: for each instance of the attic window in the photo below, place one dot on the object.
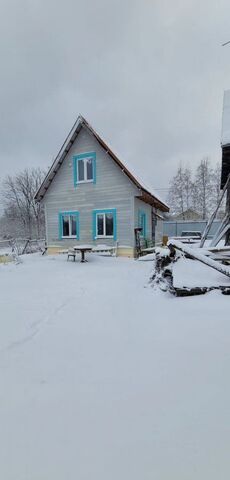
(84, 168)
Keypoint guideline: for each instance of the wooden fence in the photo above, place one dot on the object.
(21, 246)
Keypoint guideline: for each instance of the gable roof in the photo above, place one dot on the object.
(145, 194)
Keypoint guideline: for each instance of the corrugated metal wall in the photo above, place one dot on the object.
(173, 228)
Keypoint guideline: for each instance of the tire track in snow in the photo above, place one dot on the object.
(39, 327)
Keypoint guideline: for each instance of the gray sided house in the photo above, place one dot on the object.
(90, 197)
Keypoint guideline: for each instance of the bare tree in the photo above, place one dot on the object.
(216, 192)
(187, 187)
(200, 191)
(180, 191)
(203, 188)
(18, 198)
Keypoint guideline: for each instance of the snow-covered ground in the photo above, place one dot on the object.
(104, 378)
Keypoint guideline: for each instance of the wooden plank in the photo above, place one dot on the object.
(189, 292)
(213, 216)
(200, 257)
(218, 249)
(220, 258)
(220, 233)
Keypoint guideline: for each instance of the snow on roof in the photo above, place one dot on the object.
(146, 184)
(225, 136)
(136, 174)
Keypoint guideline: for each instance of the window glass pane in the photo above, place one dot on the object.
(73, 225)
(109, 224)
(89, 168)
(65, 225)
(100, 223)
(80, 166)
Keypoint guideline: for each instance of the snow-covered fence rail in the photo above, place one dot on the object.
(19, 246)
(6, 246)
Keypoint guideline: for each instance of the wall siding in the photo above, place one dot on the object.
(112, 189)
(141, 206)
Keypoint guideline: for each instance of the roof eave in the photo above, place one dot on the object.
(147, 197)
(70, 139)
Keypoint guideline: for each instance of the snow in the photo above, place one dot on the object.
(83, 246)
(97, 248)
(201, 257)
(162, 252)
(103, 377)
(190, 273)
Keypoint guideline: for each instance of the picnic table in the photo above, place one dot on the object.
(83, 249)
(72, 252)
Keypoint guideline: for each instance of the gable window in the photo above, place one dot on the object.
(142, 223)
(104, 224)
(68, 225)
(84, 168)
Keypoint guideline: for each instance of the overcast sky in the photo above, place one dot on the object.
(149, 75)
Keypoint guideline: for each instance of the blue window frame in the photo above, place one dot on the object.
(69, 225)
(105, 223)
(84, 168)
(142, 223)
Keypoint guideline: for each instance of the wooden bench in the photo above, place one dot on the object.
(104, 249)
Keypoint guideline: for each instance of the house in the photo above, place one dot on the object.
(90, 196)
(225, 138)
(188, 214)
(225, 170)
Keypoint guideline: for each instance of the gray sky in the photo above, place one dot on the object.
(148, 74)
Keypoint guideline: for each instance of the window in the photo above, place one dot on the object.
(104, 224)
(84, 168)
(142, 223)
(68, 225)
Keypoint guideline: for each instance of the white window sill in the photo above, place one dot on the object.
(70, 236)
(84, 181)
(104, 236)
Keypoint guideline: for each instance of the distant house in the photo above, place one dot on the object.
(90, 196)
(188, 214)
